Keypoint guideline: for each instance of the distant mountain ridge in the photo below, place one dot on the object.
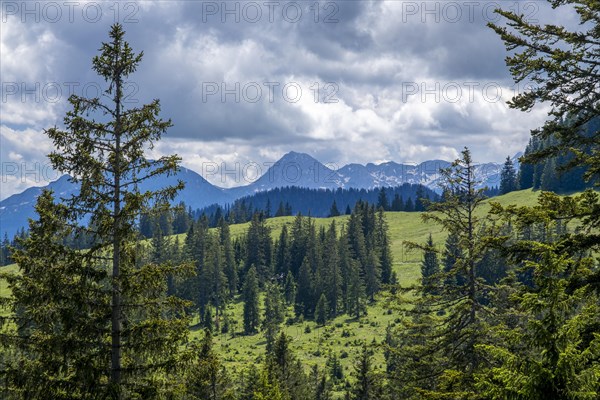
(293, 169)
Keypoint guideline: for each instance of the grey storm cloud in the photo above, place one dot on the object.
(352, 60)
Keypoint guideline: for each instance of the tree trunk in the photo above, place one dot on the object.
(115, 373)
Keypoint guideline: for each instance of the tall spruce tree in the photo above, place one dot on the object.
(274, 313)
(420, 201)
(103, 149)
(451, 255)
(461, 328)
(332, 279)
(508, 177)
(289, 288)
(412, 361)
(372, 273)
(334, 211)
(322, 310)
(230, 264)
(298, 244)
(54, 337)
(430, 268)
(382, 200)
(305, 293)
(287, 372)
(397, 203)
(282, 253)
(355, 295)
(213, 282)
(367, 386)
(386, 261)
(258, 247)
(207, 377)
(383, 248)
(250, 297)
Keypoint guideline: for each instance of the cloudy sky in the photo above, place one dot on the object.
(345, 81)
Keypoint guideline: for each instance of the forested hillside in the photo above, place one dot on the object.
(320, 202)
(554, 173)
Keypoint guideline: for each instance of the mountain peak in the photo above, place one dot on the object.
(294, 156)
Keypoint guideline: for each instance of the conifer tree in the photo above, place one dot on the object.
(383, 248)
(208, 320)
(355, 303)
(181, 219)
(321, 310)
(365, 387)
(282, 253)
(258, 247)
(461, 328)
(212, 282)
(334, 212)
(5, 251)
(251, 382)
(382, 200)
(273, 314)
(229, 267)
(266, 389)
(322, 385)
(250, 297)
(305, 293)
(289, 288)
(386, 261)
(298, 244)
(411, 363)
(508, 177)
(356, 238)
(372, 275)
(549, 180)
(451, 255)
(159, 245)
(102, 148)
(430, 268)
(287, 372)
(59, 312)
(419, 199)
(280, 210)
(397, 203)
(459, 218)
(332, 280)
(208, 379)
(562, 66)
(336, 370)
(344, 258)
